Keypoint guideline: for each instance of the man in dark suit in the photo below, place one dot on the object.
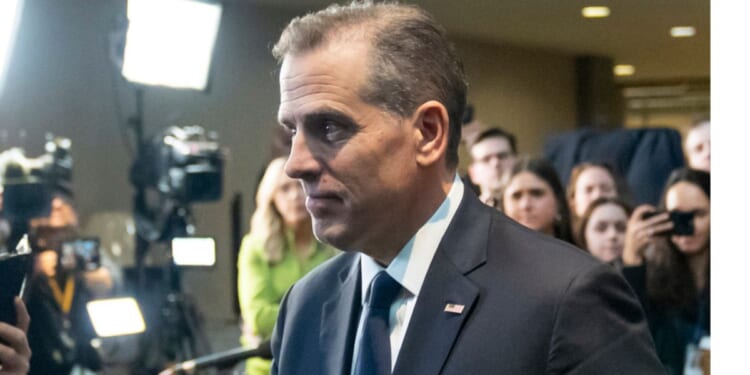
(431, 280)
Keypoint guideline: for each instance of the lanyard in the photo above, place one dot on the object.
(63, 299)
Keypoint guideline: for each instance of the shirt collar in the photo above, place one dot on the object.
(410, 266)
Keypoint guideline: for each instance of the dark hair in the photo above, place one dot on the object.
(496, 132)
(411, 62)
(696, 177)
(669, 280)
(583, 222)
(545, 171)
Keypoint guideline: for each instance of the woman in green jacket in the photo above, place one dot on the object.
(279, 249)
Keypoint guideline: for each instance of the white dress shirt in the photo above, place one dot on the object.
(409, 268)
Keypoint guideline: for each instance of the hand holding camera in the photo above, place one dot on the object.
(14, 319)
(647, 223)
(643, 226)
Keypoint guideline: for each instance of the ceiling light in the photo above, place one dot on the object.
(624, 70)
(682, 31)
(595, 12)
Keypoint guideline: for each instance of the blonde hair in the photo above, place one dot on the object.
(266, 223)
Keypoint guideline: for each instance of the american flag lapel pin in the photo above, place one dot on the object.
(454, 308)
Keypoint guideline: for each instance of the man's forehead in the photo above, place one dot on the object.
(699, 134)
(327, 74)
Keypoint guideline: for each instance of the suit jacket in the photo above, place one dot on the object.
(533, 305)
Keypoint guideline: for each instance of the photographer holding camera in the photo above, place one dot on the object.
(60, 332)
(38, 200)
(667, 262)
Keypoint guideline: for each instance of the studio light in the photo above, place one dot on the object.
(116, 317)
(192, 251)
(10, 15)
(170, 42)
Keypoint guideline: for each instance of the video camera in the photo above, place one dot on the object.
(81, 254)
(182, 163)
(74, 253)
(28, 183)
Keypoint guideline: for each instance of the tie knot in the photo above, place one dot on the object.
(383, 291)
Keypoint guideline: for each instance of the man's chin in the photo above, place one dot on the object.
(334, 234)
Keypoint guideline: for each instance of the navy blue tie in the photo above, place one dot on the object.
(374, 356)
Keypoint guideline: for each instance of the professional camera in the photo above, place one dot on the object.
(81, 254)
(28, 183)
(182, 163)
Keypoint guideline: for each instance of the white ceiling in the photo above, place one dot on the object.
(636, 32)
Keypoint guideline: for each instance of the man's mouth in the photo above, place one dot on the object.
(318, 203)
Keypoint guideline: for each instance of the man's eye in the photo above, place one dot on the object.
(332, 131)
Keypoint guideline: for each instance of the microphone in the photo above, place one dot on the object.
(221, 359)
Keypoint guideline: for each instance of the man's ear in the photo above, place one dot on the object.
(431, 129)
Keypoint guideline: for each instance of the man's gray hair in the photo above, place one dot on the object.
(412, 60)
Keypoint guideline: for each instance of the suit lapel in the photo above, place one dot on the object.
(432, 330)
(337, 339)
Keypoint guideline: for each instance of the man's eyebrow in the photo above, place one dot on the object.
(318, 116)
(328, 114)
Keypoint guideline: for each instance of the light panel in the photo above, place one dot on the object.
(116, 317)
(10, 16)
(194, 251)
(170, 42)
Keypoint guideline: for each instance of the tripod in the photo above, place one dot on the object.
(177, 333)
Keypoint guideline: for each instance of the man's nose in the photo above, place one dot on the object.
(301, 163)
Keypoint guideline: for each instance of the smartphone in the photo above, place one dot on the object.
(81, 254)
(682, 221)
(13, 269)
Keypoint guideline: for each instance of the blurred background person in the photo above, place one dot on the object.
(698, 145)
(601, 229)
(60, 332)
(493, 154)
(279, 249)
(671, 273)
(535, 198)
(588, 182)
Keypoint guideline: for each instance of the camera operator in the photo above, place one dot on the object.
(60, 332)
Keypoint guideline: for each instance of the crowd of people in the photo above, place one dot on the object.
(669, 270)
